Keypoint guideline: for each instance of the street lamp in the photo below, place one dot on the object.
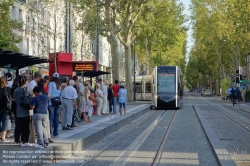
(134, 69)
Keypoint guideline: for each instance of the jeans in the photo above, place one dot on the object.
(5, 123)
(40, 122)
(111, 104)
(115, 103)
(54, 119)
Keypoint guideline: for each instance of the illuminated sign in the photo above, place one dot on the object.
(84, 66)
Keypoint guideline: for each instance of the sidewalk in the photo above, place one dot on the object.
(70, 142)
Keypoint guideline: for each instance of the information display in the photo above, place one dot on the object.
(84, 66)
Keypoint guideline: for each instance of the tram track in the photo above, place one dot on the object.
(123, 158)
(233, 113)
(158, 154)
(116, 140)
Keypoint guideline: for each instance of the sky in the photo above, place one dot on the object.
(187, 12)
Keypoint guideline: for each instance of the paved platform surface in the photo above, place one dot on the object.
(70, 142)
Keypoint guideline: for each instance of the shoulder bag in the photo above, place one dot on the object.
(55, 101)
(25, 99)
(8, 101)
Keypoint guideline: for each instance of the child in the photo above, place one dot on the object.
(90, 106)
(122, 98)
(39, 104)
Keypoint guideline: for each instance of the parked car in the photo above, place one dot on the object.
(208, 92)
(202, 91)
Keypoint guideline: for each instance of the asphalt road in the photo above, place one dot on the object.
(186, 141)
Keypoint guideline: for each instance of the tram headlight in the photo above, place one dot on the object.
(176, 96)
(155, 96)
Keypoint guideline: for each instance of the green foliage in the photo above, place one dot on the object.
(220, 29)
(161, 36)
(225, 83)
(247, 95)
(8, 39)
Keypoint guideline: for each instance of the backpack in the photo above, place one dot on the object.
(6, 101)
(25, 99)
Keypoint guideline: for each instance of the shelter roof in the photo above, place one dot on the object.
(14, 60)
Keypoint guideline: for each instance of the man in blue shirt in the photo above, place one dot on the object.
(122, 98)
(39, 104)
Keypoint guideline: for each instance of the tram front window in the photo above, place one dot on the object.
(166, 83)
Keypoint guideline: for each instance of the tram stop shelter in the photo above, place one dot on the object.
(16, 61)
(92, 74)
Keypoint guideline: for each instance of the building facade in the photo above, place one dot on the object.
(54, 27)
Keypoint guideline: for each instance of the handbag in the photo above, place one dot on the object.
(25, 99)
(8, 101)
(56, 101)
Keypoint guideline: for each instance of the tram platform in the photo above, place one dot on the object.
(70, 142)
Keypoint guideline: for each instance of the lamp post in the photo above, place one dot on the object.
(134, 69)
(97, 35)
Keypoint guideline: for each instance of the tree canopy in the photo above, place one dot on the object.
(8, 39)
(221, 39)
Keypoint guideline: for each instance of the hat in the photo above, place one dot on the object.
(8, 76)
(56, 75)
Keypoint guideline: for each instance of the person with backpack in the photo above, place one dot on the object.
(22, 113)
(4, 109)
(233, 95)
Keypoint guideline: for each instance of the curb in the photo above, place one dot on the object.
(89, 138)
(221, 153)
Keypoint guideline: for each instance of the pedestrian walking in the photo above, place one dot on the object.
(110, 98)
(122, 98)
(104, 89)
(40, 104)
(115, 89)
(243, 92)
(55, 104)
(99, 98)
(69, 96)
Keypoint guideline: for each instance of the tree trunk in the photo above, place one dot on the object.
(115, 55)
(128, 71)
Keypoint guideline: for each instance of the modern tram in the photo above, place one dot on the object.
(167, 91)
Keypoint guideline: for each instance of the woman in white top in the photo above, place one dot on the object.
(86, 93)
(99, 98)
(104, 89)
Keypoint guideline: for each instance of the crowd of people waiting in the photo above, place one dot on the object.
(37, 107)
